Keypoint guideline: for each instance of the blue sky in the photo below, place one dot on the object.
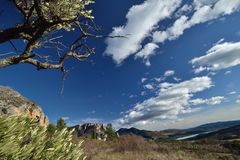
(178, 67)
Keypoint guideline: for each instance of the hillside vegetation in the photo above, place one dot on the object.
(136, 148)
(22, 138)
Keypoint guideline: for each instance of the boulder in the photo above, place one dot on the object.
(13, 103)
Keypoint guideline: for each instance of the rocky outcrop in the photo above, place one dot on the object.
(13, 103)
(91, 130)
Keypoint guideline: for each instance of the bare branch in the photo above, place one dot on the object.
(42, 24)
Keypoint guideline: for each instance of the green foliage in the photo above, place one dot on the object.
(61, 124)
(111, 133)
(51, 128)
(64, 10)
(22, 139)
(94, 136)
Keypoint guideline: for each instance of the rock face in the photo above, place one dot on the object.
(91, 130)
(13, 103)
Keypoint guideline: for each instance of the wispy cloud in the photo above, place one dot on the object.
(228, 72)
(143, 79)
(221, 56)
(149, 86)
(153, 84)
(211, 101)
(204, 11)
(141, 20)
(169, 73)
(233, 92)
(177, 79)
(172, 100)
(146, 52)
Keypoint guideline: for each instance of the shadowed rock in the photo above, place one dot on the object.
(13, 103)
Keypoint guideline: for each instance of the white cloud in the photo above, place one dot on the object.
(177, 79)
(220, 56)
(204, 11)
(141, 20)
(146, 52)
(143, 79)
(149, 86)
(185, 9)
(169, 73)
(173, 32)
(172, 100)
(143, 93)
(228, 72)
(159, 79)
(166, 74)
(210, 101)
(199, 69)
(132, 96)
(233, 92)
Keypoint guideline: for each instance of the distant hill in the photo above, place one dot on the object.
(226, 133)
(134, 131)
(149, 134)
(13, 103)
(176, 133)
(213, 126)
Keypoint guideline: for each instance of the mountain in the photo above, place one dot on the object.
(134, 131)
(91, 130)
(214, 126)
(178, 133)
(226, 133)
(13, 103)
(149, 134)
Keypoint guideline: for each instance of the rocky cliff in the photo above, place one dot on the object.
(91, 130)
(13, 103)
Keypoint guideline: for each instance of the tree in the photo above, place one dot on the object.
(61, 124)
(21, 138)
(42, 26)
(51, 129)
(111, 133)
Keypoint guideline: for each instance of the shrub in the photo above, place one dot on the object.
(22, 139)
(233, 146)
(51, 128)
(128, 143)
(61, 124)
(111, 133)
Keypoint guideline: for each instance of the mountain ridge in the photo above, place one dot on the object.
(176, 133)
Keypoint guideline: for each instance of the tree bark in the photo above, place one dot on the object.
(5, 62)
(19, 32)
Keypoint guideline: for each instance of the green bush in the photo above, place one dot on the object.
(22, 139)
(111, 133)
(61, 124)
(51, 129)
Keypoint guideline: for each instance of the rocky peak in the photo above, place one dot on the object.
(13, 103)
(91, 130)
